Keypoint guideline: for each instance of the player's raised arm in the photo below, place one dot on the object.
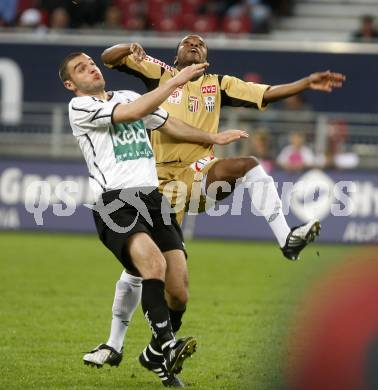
(150, 101)
(113, 55)
(320, 81)
(181, 131)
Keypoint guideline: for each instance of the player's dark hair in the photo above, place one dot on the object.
(63, 72)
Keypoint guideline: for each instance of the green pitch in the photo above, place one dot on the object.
(56, 293)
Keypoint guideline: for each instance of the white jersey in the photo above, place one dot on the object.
(117, 155)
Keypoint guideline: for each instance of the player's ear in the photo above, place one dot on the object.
(69, 85)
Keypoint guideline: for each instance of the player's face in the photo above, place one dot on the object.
(85, 76)
(192, 50)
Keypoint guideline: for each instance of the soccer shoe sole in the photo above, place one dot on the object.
(186, 351)
(313, 232)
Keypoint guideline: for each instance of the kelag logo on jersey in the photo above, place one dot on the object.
(193, 104)
(130, 141)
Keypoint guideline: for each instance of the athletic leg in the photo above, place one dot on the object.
(127, 296)
(176, 293)
(266, 201)
(151, 264)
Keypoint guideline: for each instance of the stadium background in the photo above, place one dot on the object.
(247, 303)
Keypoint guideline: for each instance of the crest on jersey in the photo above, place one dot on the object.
(176, 96)
(193, 104)
(209, 103)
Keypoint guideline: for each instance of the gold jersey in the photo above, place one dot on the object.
(197, 103)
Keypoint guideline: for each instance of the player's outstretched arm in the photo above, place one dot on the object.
(320, 81)
(113, 55)
(181, 131)
(149, 102)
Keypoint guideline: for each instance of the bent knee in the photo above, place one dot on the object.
(245, 164)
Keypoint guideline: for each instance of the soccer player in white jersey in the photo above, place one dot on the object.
(132, 218)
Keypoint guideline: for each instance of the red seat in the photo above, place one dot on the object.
(167, 24)
(190, 6)
(25, 4)
(201, 23)
(159, 9)
(136, 23)
(232, 25)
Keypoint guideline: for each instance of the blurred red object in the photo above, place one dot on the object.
(160, 9)
(338, 330)
(167, 24)
(232, 25)
(200, 23)
(252, 77)
(135, 23)
(191, 6)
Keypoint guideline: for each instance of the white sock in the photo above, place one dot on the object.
(265, 199)
(126, 299)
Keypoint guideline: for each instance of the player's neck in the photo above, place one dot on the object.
(180, 67)
(97, 94)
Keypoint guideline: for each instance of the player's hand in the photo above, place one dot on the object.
(137, 52)
(228, 136)
(326, 81)
(190, 72)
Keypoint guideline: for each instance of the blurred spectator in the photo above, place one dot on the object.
(367, 31)
(301, 111)
(296, 156)
(260, 147)
(112, 19)
(32, 19)
(295, 103)
(8, 10)
(59, 19)
(230, 16)
(336, 154)
(141, 15)
(259, 13)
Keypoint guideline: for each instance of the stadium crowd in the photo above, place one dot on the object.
(229, 16)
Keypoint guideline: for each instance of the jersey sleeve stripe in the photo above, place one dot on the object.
(94, 155)
(98, 182)
(162, 124)
(227, 100)
(112, 113)
(83, 109)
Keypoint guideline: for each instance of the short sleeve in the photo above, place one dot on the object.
(238, 93)
(89, 113)
(152, 121)
(156, 119)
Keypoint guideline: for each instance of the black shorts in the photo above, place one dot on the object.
(115, 229)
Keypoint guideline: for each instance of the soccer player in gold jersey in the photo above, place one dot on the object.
(199, 103)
